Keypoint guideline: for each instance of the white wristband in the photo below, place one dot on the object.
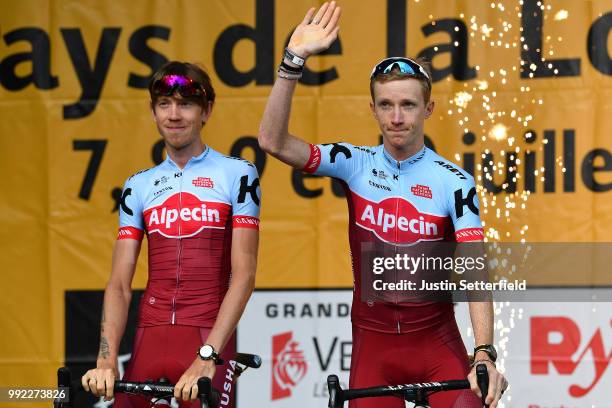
(293, 58)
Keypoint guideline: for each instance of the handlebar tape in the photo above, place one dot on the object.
(482, 378)
(249, 360)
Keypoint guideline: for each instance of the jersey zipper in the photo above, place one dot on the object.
(397, 201)
(179, 250)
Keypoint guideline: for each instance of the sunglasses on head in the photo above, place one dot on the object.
(405, 65)
(185, 86)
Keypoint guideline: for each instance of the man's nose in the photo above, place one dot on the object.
(396, 115)
(175, 113)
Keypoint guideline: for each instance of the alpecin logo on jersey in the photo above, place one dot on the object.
(397, 220)
(184, 215)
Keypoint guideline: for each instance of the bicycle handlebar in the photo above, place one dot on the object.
(248, 360)
(482, 378)
(409, 392)
(206, 393)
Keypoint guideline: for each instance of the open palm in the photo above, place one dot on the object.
(317, 31)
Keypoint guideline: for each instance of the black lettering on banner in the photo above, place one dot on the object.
(39, 58)
(90, 79)
(459, 66)
(116, 196)
(289, 310)
(509, 183)
(157, 152)
(250, 142)
(530, 136)
(338, 148)
(324, 364)
(461, 202)
(271, 310)
(589, 169)
(245, 188)
(531, 46)
(396, 27)
(469, 159)
(124, 196)
(310, 77)
(97, 148)
(337, 187)
(597, 44)
(549, 161)
(297, 180)
(346, 348)
(569, 149)
(145, 54)
(263, 38)
(429, 143)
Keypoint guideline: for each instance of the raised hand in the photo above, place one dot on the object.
(317, 31)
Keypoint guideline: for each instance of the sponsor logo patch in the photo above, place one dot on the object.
(205, 182)
(397, 220)
(421, 191)
(184, 215)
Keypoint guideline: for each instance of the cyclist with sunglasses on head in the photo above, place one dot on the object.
(417, 193)
(199, 210)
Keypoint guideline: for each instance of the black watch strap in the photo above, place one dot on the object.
(487, 348)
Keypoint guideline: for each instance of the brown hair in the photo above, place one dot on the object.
(395, 75)
(189, 70)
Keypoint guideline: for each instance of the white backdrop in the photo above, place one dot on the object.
(547, 350)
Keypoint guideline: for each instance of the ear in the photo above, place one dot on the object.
(207, 111)
(429, 108)
(152, 110)
(373, 109)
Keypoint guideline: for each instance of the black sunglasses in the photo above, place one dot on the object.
(185, 86)
(405, 65)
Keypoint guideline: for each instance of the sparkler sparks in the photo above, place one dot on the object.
(499, 108)
(561, 15)
(462, 99)
(499, 132)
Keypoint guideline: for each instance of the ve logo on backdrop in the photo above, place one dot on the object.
(288, 365)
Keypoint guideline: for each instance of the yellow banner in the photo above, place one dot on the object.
(522, 98)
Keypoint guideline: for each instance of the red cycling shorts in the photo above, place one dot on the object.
(166, 352)
(428, 355)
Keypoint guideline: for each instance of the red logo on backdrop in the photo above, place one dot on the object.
(421, 191)
(184, 215)
(288, 365)
(203, 182)
(546, 352)
(397, 220)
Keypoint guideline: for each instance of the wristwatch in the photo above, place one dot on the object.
(487, 348)
(207, 352)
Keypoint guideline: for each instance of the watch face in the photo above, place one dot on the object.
(206, 351)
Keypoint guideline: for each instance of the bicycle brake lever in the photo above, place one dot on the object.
(206, 394)
(64, 380)
(333, 386)
(482, 378)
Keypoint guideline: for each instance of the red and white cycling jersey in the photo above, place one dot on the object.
(423, 198)
(188, 216)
